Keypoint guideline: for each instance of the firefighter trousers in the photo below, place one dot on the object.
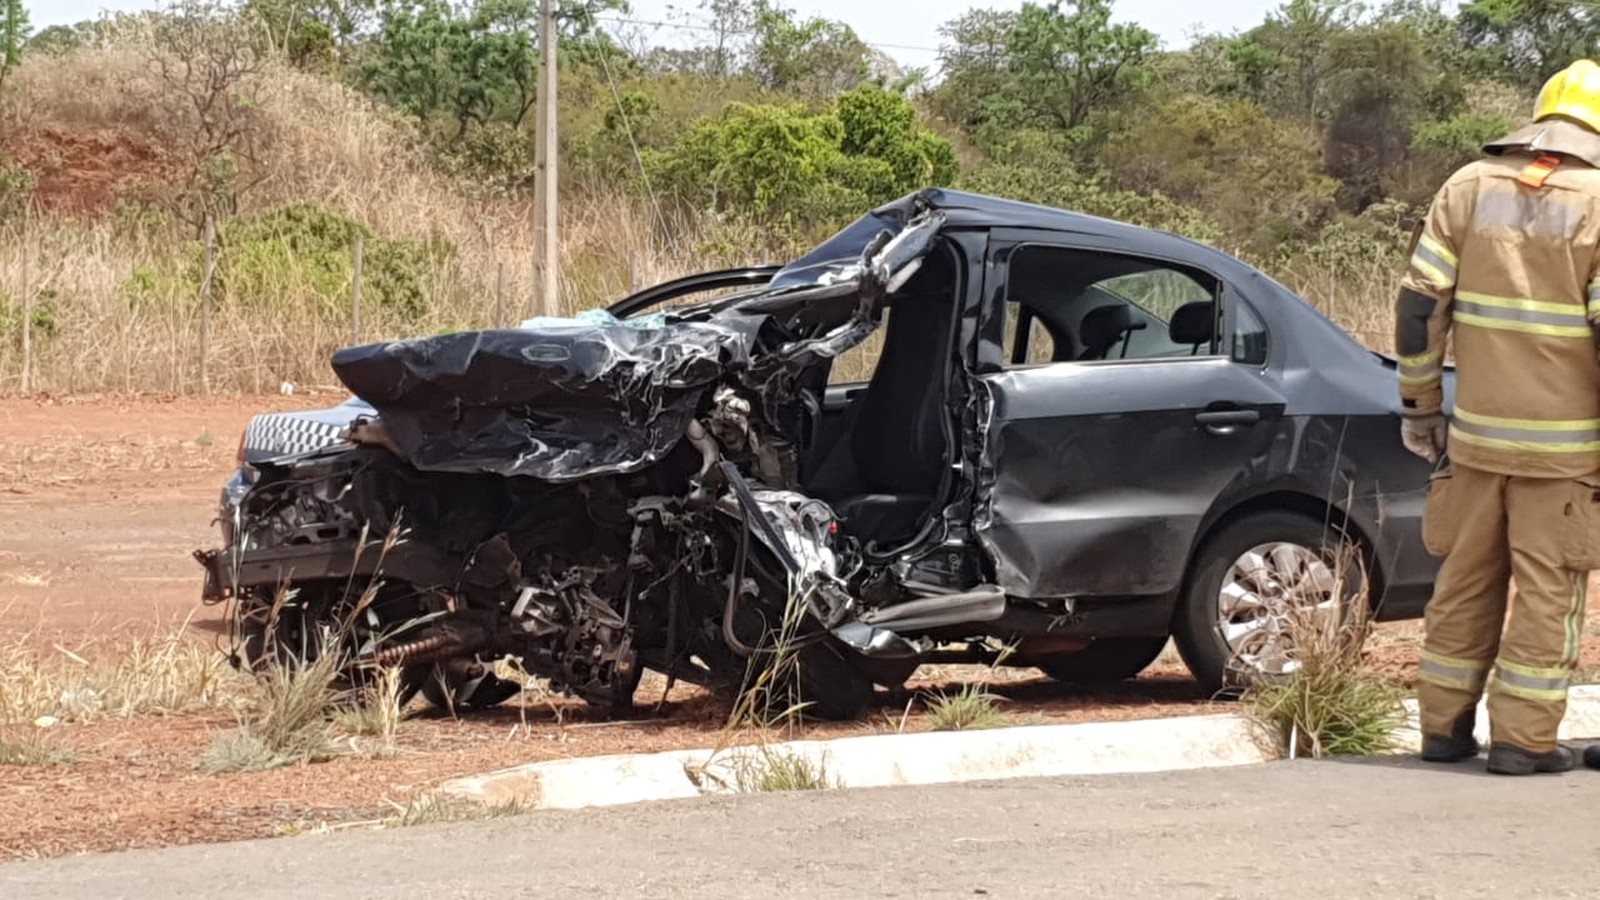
(1543, 535)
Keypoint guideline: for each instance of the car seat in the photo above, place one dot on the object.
(1194, 324)
(897, 439)
(1103, 326)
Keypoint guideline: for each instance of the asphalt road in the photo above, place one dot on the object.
(1281, 831)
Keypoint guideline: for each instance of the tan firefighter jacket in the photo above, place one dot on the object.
(1505, 265)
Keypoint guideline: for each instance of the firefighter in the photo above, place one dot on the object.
(1505, 265)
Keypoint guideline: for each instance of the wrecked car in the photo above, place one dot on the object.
(1074, 440)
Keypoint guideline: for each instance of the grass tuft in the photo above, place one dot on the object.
(377, 713)
(780, 770)
(969, 709)
(289, 721)
(1334, 703)
(434, 809)
(32, 747)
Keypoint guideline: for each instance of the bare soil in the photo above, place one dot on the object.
(86, 172)
(102, 501)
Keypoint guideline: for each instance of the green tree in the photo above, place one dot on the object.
(797, 169)
(313, 33)
(814, 58)
(14, 31)
(976, 88)
(1377, 89)
(1058, 65)
(1257, 175)
(472, 64)
(1527, 41)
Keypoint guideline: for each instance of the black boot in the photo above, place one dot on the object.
(1459, 744)
(1591, 756)
(1506, 759)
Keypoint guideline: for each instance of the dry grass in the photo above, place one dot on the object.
(167, 674)
(32, 746)
(376, 714)
(321, 142)
(435, 809)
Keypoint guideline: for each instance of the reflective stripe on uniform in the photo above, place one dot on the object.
(1424, 368)
(1534, 435)
(1526, 316)
(1594, 301)
(1435, 260)
(1532, 682)
(1574, 621)
(1451, 672)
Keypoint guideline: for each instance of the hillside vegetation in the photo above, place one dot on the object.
(739, 132)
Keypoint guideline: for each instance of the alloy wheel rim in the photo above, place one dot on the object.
(1269, 593)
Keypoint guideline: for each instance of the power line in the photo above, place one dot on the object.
(684, 26)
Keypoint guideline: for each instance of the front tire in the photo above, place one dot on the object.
(1248, 584)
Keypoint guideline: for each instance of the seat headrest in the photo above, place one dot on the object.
(1104, 325)
(1193, 323)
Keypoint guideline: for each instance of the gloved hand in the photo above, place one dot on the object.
(1425, 435)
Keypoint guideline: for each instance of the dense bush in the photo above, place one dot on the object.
(798, 169)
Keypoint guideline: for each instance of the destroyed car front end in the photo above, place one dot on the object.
(591, 496)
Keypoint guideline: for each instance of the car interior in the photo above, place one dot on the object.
(880, 460)
(1067, 304)
(879, 456)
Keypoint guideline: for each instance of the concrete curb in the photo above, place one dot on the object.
(1097, 748)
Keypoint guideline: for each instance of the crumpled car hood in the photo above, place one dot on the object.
(558, 400)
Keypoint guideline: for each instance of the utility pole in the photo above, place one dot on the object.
(547, 254)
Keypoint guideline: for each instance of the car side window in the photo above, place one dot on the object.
(1071, 305)
(1248, 336)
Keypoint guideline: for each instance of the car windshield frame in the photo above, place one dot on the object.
(833, 259)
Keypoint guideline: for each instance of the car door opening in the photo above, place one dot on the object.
(883, 466)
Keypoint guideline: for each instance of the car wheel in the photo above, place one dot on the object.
(1105, 660)
(1249, 584)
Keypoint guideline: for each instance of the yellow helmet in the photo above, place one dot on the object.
(1573, 92)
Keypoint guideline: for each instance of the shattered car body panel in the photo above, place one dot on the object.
(642, 487)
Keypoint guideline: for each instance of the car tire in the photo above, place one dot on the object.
(1291, 557)
(831, 686)
(1105, 660)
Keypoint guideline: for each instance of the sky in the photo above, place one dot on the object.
(908, 30)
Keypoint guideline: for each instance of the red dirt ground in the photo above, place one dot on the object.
(80, 173)
(104, 498)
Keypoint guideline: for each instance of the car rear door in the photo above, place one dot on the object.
(1098, 472)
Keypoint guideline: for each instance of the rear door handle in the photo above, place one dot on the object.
(1227, 421)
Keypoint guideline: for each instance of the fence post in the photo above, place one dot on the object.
(205, 303)
(355, 300)
(499, 295)
(27, 306)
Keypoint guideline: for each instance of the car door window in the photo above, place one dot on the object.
(1072, 305)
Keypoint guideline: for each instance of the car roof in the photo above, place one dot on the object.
(964, 209)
